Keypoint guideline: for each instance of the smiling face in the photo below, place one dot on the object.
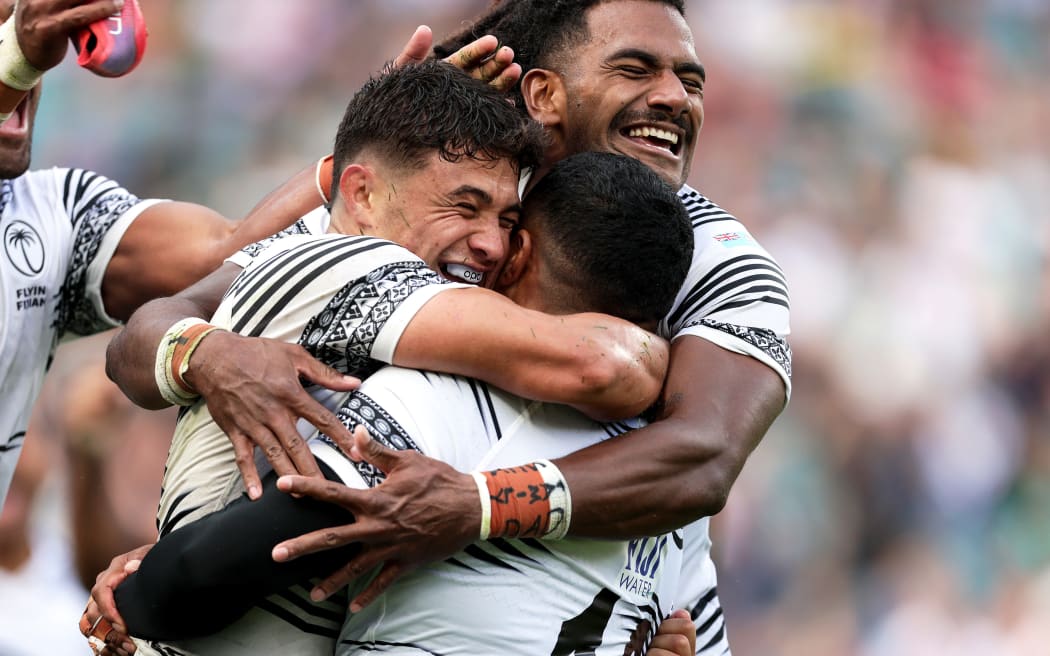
(16, 132)
(635, 87)
(456, 216)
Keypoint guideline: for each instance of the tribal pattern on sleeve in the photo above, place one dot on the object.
(342, 335)
(297, 228)
(94, 203)
(360, 409)
(776, 347)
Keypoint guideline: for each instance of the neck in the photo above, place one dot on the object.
(342, 224)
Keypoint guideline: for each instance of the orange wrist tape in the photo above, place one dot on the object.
(529, 501)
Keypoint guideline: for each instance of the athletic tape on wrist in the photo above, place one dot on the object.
(530, 501)
(318, 171)
(486, 505)
(173, 356)
(15, 70)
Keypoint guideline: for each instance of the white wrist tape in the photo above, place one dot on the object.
(171, 389)
(15, 70)
(317, 179)
(560, 500)
(486, 505)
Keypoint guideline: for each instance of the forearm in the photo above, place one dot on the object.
(146, 266)
(131, 355)
(277, 210)
(603, 366)
(717, 406)
(664, 479)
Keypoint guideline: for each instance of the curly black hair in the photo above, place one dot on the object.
(539, 31)
(616, 238)
(402, 115)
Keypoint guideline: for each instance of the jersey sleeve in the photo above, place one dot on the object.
(313, 223)
(440, 415)
(345, 299)
(99, 212)
(735, 295)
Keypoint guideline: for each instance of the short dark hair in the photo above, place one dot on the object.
(539, 31)
(402, 115)
(615, 236)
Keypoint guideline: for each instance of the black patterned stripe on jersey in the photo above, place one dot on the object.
(700, 209)
(361, 409)
(710, 625)
(288, 274)
(734, 283)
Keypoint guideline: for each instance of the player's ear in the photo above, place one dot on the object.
(518, 256)
(544, 94)
(356, 184)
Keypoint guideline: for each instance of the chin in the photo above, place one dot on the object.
(13, 163)
(672, 175)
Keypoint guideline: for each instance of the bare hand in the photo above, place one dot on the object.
(423, 512)
(484, 59)
(253, 390)
(101, 611)
(676, 636)
(44, 27)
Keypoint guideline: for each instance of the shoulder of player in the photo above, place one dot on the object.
(337, 246)
(719, 235)
(67, 182)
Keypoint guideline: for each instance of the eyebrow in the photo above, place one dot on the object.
(482, 195)
(649, 59)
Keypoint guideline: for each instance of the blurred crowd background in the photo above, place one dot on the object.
(893, 155)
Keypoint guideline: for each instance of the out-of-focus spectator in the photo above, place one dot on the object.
(39, 591)
(114, 453)
(86, 489)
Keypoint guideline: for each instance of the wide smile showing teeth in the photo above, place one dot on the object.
(463, 273)
(657, 136)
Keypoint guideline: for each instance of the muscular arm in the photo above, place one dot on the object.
(716, 407)
(131, 354)
(605, 367)
(172, 245)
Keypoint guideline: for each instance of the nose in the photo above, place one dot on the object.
(668, 94)
(488, 243)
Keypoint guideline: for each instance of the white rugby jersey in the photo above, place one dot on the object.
(524, 597)
(60, 228)
(346, 300)
(735, 295)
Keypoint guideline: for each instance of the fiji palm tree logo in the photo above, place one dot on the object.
(24, 248)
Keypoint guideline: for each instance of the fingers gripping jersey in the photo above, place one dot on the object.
(345, 299)
(60, 227)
